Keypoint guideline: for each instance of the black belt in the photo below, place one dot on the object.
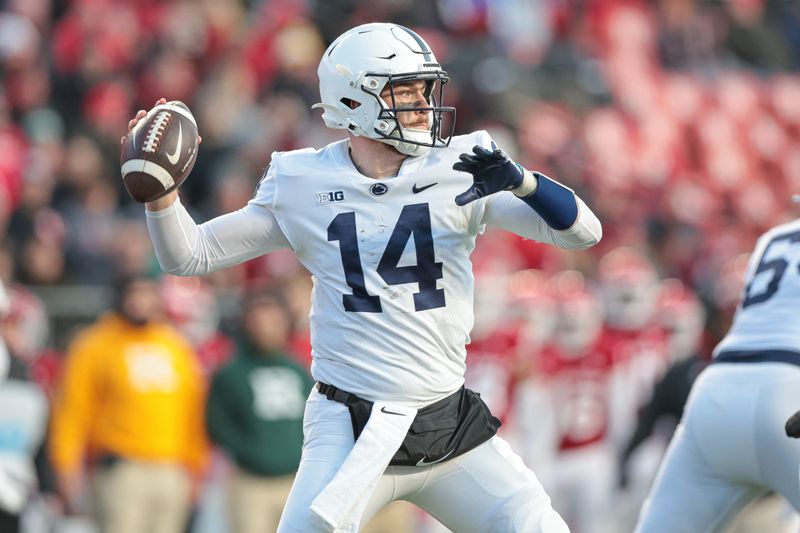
(359, 408)
(337, 395)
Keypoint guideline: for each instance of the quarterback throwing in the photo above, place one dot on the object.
(385, 221)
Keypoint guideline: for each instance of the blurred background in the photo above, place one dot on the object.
(678, 121)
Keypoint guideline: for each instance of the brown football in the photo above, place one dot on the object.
(159, 152)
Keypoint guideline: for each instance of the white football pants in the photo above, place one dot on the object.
(729, 449)
(488, 489)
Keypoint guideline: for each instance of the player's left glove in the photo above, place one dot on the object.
(793, 426)
(492, 171)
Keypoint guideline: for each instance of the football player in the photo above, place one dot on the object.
(729, 448)
(386, 221)
(577, 372)
(632, 335)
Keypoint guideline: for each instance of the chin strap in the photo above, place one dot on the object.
(408, 148)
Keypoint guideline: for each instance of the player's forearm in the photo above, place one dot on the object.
(185, 249)
(175, 237)
(508, 212)
(556, 204)
(586, 231)
(563, 219)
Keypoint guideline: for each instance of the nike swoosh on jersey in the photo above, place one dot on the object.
(383, 410)
(423, 462)
(173, 157)
(416, 189)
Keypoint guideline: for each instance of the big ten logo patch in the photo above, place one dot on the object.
(277, 393)
(150, 368)
(330, 196)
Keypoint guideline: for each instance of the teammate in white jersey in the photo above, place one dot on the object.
(730, 447)
(386, 221)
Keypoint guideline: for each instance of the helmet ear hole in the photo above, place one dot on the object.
(349, 102)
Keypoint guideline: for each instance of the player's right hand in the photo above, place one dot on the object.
(140, 115)
(793, 426)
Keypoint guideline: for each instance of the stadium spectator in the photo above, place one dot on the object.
(23, 419)
(255, 413)
(130, 403)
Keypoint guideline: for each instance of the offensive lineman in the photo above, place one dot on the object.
(374, 220)
(730, 447)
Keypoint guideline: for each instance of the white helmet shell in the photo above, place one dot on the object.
(357, 67)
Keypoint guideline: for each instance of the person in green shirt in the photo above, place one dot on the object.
(255, 413)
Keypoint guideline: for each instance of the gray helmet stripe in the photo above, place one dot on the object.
(427, 54)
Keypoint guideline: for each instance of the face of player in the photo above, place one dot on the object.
(408, 95)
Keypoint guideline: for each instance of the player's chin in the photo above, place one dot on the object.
(418, 128)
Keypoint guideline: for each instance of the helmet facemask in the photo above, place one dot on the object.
(413, 141)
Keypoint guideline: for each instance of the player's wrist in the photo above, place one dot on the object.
(529, 184)
(162, 203)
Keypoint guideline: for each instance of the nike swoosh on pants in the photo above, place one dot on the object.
(422, 461)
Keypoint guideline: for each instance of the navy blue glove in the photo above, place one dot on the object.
(492, 171)
(793, 426)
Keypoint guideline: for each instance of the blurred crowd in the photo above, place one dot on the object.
(677, 121)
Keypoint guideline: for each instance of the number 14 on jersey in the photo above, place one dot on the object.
(414, 220)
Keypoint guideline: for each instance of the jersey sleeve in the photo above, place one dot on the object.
(507, 211)
(267, 197)
(184, 248)
(504, 210)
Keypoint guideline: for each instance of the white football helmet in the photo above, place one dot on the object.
(357, 67)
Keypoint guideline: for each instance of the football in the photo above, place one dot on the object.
(159, 152)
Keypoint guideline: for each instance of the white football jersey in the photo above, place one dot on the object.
(767, 317)
(392, 299)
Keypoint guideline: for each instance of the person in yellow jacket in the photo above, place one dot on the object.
(130, 405)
